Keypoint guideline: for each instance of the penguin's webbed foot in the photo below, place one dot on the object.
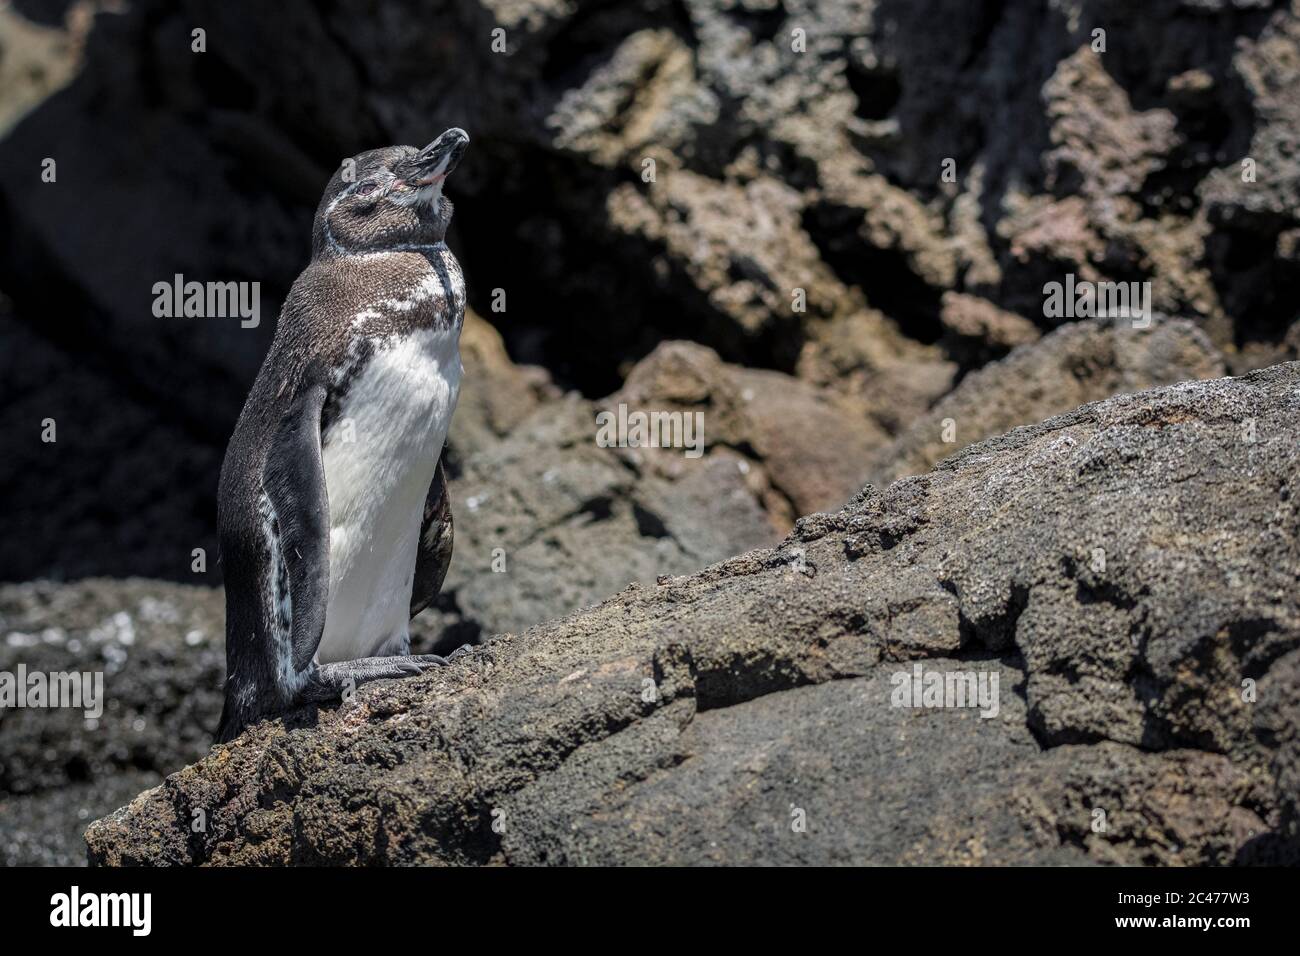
(337, 680)
(437, 660)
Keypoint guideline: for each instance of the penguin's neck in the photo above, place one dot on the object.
(411, 288)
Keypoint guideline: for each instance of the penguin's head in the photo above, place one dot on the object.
(388, 197)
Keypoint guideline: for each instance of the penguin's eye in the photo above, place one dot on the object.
(365, 189)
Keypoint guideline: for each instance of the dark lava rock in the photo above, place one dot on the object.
(1126, 571)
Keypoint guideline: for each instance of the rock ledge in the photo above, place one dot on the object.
(1127, 572)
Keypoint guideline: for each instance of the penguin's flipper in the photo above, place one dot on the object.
(294, 479)
(434, 554)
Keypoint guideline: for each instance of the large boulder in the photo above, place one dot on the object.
(1118, 581)
(534, 504)
(814, 446)
(547, 520)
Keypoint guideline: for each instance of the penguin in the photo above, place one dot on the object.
(335, 522)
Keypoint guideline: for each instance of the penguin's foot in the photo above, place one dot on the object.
(438, 659)
(431, 660)
(338, 680)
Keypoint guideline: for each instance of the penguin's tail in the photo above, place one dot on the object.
(226, 729)
(233, 722)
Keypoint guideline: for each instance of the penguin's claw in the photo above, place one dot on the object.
(438, 660)
(329, 681)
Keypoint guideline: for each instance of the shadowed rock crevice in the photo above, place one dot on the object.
(884, 275)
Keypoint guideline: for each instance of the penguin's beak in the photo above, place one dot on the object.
(436, 161)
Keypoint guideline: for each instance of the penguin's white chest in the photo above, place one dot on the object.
(379, 456)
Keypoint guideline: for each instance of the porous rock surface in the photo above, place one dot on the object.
(1127, 571)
